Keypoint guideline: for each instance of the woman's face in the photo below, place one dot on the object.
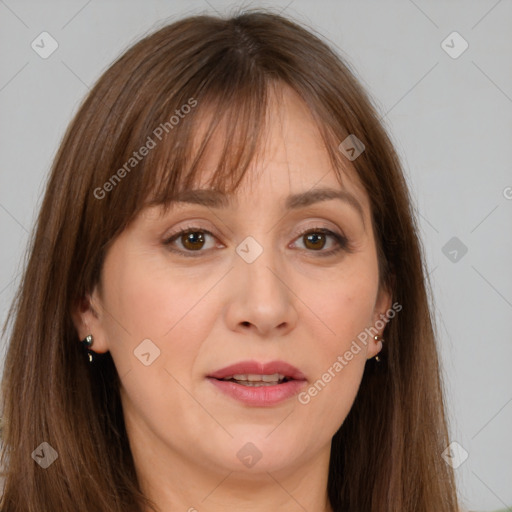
(247, 286)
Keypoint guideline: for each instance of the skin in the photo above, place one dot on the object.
(216, 309)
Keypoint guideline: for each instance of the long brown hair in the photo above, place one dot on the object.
(387, 454)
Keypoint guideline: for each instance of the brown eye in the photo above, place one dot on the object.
(315, 240)
(192, 240)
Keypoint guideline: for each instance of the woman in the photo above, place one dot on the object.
(228, 232)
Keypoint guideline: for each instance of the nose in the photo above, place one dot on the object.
(260, 299)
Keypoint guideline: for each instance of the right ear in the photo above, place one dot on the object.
(88, 318)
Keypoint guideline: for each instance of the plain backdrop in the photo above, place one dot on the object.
(449, 113)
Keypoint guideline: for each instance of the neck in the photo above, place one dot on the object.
(195, 491)
(173, 480)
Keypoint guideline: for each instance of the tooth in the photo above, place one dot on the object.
(256, 384)
(252, 378)
(255, 378)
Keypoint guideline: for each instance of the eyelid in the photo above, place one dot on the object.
(315, 224)
(194, 225)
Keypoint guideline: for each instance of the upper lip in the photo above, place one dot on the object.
(259, 368)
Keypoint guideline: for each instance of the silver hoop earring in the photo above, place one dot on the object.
(378, 338)
(87, 343)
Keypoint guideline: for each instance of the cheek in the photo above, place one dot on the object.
(176, 315)
(346, 304)
(340, 358)
(149, 301)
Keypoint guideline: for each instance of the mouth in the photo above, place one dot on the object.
(255, 372)
(255, 380)
(259, 384)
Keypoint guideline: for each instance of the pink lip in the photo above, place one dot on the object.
(256, 368)
(261, 396)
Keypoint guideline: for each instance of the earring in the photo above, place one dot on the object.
(378, 338)
(87, 342)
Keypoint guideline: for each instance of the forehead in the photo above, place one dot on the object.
(288, 162)
(291, 156)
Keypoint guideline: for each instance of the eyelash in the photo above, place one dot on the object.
(342, 241)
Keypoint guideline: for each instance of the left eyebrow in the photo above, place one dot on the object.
(316, 195)
(216, 199)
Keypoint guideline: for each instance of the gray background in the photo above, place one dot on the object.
(450, 119)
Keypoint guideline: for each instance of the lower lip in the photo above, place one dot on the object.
(259, 396)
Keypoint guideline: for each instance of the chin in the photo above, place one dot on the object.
(254, 450)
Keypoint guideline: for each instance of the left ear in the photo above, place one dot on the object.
(380, 319)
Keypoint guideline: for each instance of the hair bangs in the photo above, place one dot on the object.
(231, 111)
